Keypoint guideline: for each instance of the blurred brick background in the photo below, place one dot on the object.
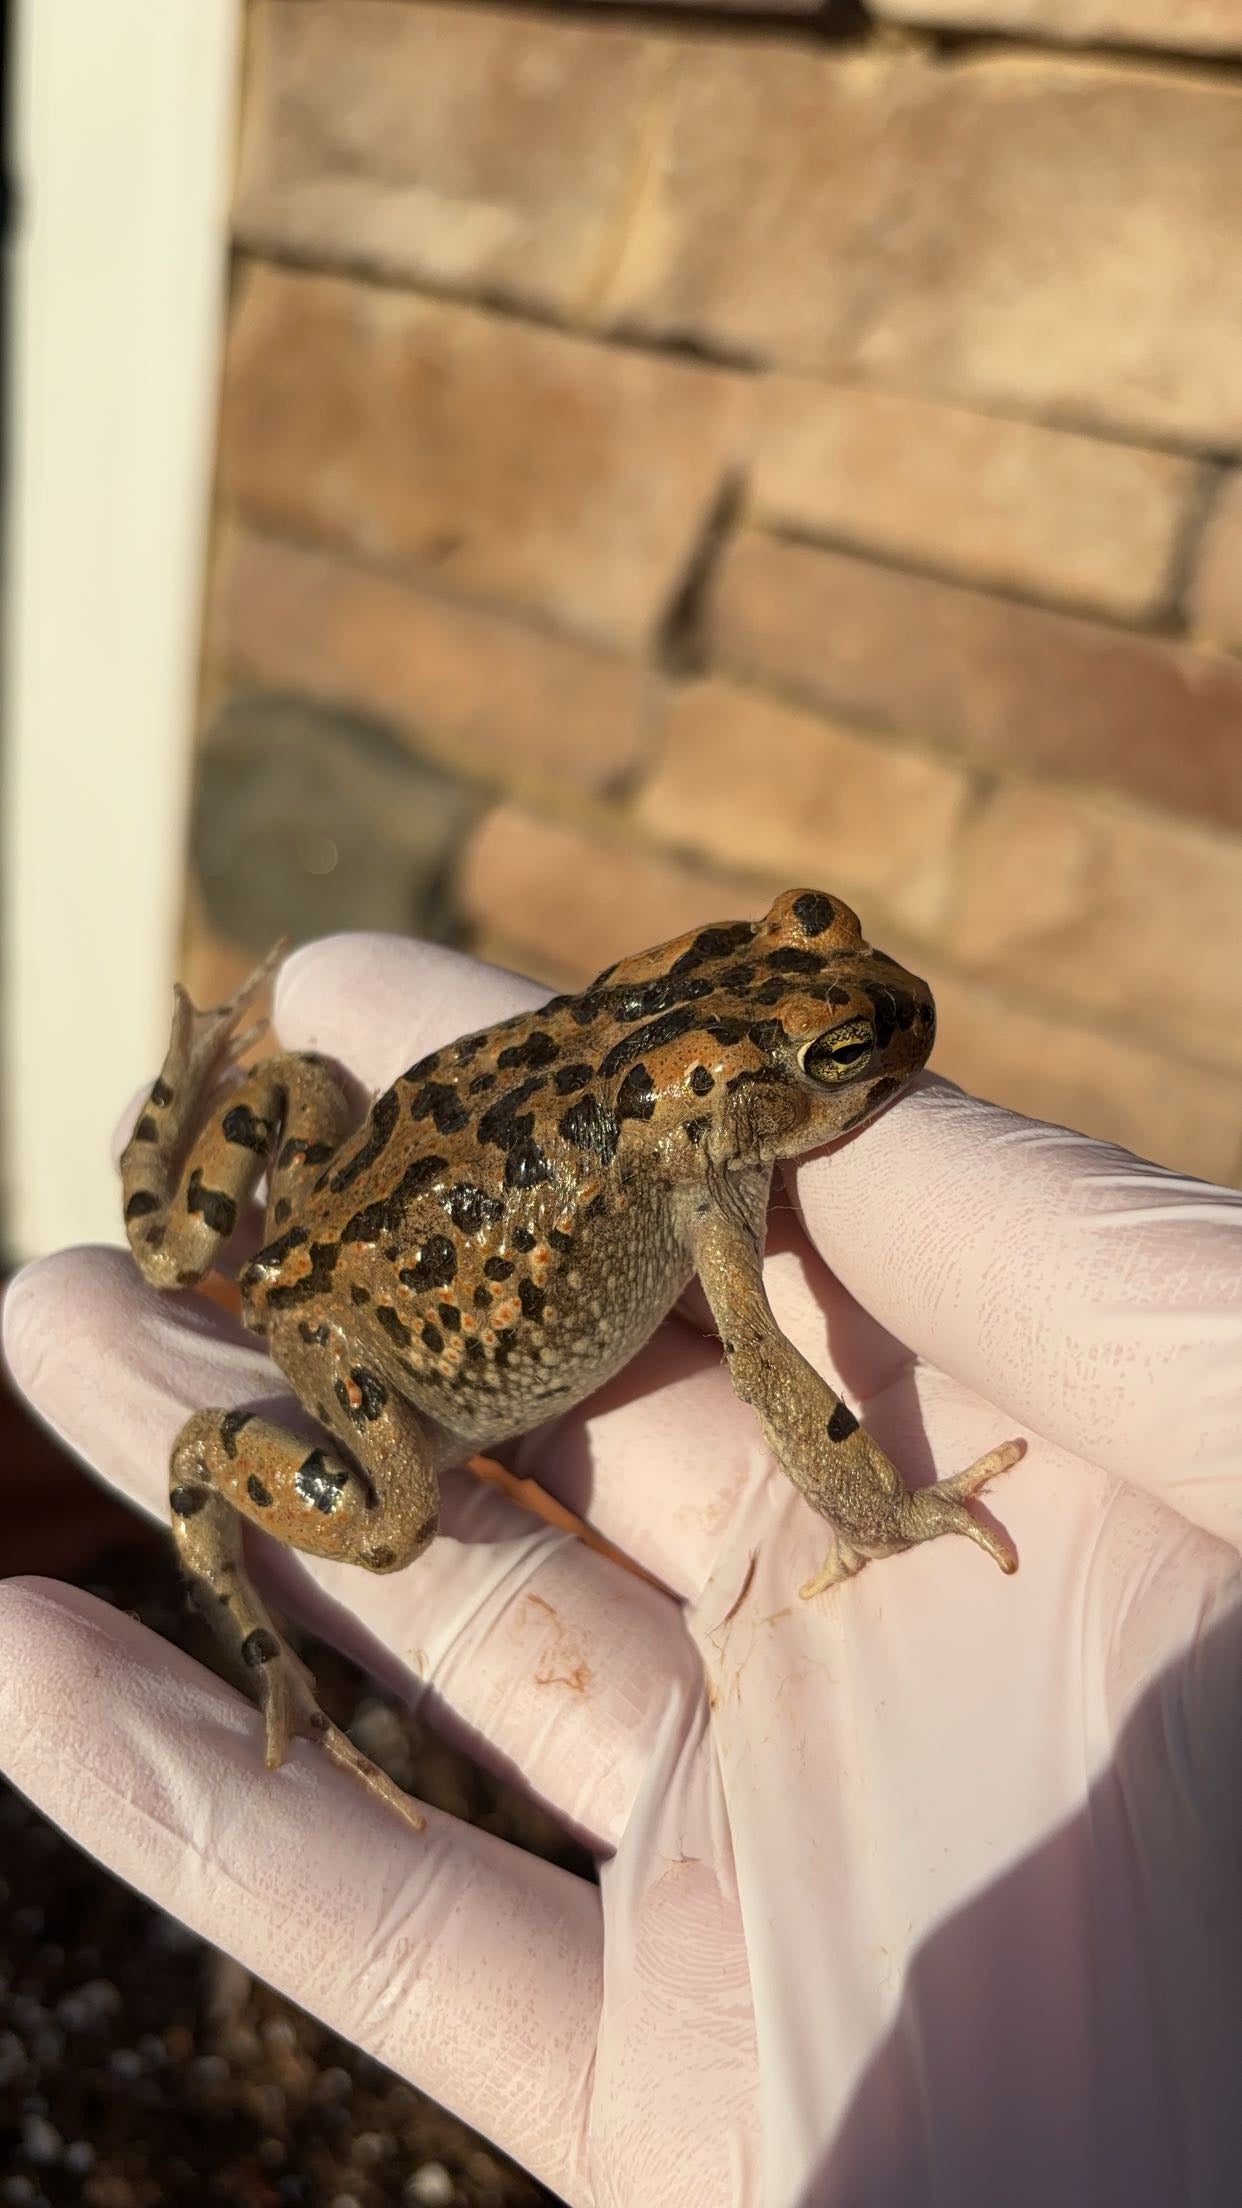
(668, 457)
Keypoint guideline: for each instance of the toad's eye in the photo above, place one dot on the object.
(841, 1053)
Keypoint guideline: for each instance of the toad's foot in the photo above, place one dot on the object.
(186, 1170)
(204, 1048)
(205, 1044)
(921, 1515)
(290, 1709)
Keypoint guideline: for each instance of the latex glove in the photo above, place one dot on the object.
(924, 1892)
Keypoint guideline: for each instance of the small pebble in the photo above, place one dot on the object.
(268, 2104)
(241, 2045)
(78, 2156)
(430, 2187)
(41, 2142)
(89, 2005)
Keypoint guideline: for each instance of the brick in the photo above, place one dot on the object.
(1043, 512)
(1192, 26)
(753, 784)
(1216, 588)
(1107, 911)
(1048, 272)
(465, 148)
(488, 695)
(762, 253)
(1072, 1074)
(492, 459)
(1052, 273)
(1002, 684)
(567, 901)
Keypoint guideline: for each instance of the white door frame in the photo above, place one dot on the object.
(124, 114)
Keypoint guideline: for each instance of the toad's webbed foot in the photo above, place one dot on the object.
(921, 1514)
(291, 1711)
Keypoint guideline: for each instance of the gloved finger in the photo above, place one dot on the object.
(1094, 1298)
(467, 1965)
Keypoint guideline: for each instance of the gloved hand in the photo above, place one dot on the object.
(924, 1892)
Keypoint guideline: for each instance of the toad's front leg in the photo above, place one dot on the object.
(814, 1435)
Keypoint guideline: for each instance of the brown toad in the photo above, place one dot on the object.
(514, 1218)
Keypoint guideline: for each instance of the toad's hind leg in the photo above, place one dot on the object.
(227, 1465)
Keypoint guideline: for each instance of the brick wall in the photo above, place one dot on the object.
(663, 461)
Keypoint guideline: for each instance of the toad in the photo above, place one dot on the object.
(506, 1229)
